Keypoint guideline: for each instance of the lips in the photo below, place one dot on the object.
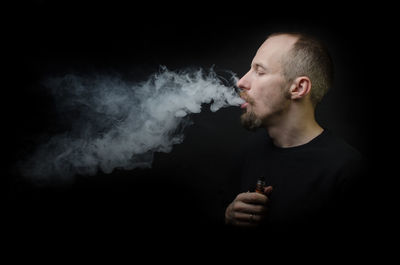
(246, 98)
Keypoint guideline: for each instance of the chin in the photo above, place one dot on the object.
(251, 121)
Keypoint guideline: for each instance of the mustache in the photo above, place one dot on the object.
(246, 97)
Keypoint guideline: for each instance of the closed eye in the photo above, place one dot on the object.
(260, 72)
(259, 69)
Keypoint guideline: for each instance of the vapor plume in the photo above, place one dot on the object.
(114, 123)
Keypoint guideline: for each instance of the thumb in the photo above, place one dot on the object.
(268, 190)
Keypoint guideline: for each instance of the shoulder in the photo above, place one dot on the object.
(345, 161)
(336, 149)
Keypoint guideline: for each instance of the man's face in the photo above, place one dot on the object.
(264, 88)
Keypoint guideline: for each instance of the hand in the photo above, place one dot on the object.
(248, 208)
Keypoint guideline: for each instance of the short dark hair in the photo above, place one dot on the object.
(309, 57)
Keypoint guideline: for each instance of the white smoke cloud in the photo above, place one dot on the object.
(116, 124)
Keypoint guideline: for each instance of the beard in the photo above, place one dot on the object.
(251, 121)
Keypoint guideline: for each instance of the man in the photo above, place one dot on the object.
(311, 175)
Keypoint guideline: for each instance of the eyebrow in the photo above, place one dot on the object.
(259, 65)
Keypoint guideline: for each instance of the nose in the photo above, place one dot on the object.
(244, 83)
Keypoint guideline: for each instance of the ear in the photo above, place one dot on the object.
(300, 87)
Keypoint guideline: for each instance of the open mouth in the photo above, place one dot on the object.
(244, 105)
(246, 98)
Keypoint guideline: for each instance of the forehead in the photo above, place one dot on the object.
(271, 51)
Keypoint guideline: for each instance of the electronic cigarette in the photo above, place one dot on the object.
(260, 185)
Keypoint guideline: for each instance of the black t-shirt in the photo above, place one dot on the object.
(319, 183)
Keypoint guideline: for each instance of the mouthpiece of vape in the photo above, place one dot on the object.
(260, 185)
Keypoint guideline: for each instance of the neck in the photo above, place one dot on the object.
(296, 127)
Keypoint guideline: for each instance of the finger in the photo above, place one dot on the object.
(252, 198)
(248, 218)
(268, 190)
(243, 207)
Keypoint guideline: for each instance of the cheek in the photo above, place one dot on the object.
(269, 101)
(268, 95)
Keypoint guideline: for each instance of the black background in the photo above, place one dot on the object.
(180, 194)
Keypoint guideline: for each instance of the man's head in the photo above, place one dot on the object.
(287, 69)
